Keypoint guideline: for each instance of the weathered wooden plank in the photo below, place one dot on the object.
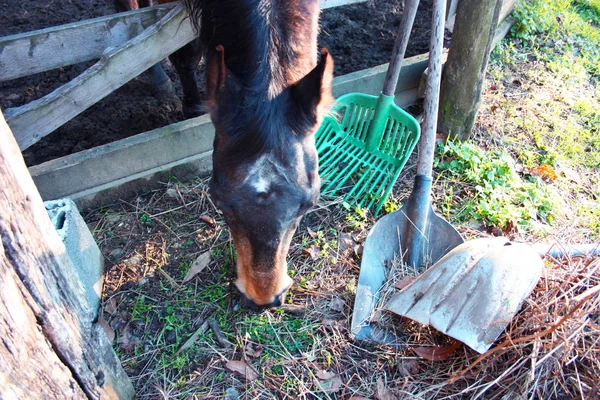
(135, 155)
(370, 81)
(50, 346)
(336, 3)
(507, 7)
(503, 30)
(42, 50)
(185, 145)
(35, 120)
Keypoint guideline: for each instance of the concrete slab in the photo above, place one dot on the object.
(81, 247)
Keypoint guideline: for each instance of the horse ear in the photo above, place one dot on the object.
(312, 94)
(216, 73)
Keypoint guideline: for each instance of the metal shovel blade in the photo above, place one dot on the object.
(387, 240)
(474, 291)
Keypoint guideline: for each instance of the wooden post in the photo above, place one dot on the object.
(50, 347)
(464, 73)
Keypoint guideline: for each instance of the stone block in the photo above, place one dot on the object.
(81, 247)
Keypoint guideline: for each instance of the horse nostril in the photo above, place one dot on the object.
(250, 304)
(278, 300)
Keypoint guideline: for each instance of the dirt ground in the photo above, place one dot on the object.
(359, 36)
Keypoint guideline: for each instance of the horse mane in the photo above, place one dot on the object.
(263, 42)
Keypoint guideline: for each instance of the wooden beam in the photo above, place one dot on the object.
(103, 165)
(507, 7)
(35, 120)
(50, 347)
(119, 169)
(42, 50)
(336, 3)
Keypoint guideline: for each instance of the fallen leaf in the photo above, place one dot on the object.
(332, 385)
(242, 369)
(253, 350)
(190, 342)
(109, 332)
(408, 367)
(207, 219)
(510, 228)
(345, 242)
(358, 249)
(382, 392)
(359, 236)
(494, 231)
(311, 233)
(337, 304)
(324, 375)
(493, 87)
(544, 171)
(197, 267)
(313, 251)
(110, 307)
(436, 353)
(332, 324)
(127, 341)
(404, 282)
(441, 138)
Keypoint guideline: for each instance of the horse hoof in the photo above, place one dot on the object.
(192, 111)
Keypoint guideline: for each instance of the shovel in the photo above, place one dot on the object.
(415, 231)
(474, 291)
(361, 154)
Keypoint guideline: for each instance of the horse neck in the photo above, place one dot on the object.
(269, 44)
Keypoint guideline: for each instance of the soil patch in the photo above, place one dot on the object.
(359, 36)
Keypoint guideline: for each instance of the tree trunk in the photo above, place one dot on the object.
(464, 72)
(50, 348)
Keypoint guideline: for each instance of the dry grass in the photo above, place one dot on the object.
(549, 351)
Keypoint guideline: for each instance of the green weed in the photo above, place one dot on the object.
(496, 193)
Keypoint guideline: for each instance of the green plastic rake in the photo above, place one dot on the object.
(366, 140)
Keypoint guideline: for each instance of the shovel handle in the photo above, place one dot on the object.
(406, 24)
(432, 93)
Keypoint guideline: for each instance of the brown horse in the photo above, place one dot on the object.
(267, 91)
(266, 95)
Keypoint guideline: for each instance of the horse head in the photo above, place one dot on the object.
(265, 169)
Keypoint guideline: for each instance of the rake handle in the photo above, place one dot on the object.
(432, 92)
(406, 24)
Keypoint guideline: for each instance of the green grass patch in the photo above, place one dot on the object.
(494, 192)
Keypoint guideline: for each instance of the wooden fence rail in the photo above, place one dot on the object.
(37, 119)
(45, 49)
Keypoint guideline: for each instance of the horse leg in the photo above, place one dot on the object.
(158, 78)
(185, 61)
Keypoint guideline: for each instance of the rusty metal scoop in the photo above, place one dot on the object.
(474, 291)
